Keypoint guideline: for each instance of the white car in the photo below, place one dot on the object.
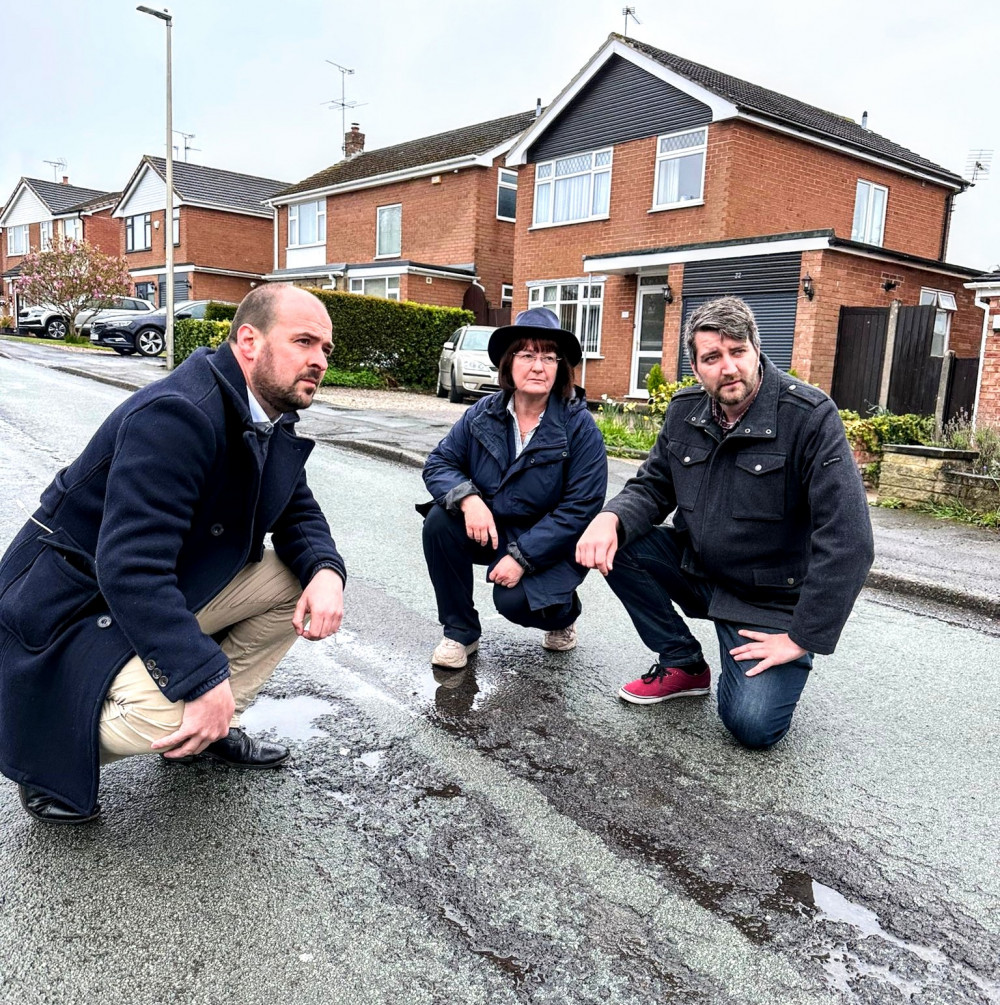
(48, 321)
(464, 366)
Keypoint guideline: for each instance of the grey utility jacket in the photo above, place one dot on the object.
(774, 514)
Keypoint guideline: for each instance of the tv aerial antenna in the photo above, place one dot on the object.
(629, 12)
(342, 103)
(185, 145)
(57, 166)
(977, 165)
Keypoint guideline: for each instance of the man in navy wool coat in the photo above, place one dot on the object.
(770, 536)
(139, 609)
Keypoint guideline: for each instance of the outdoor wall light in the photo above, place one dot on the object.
(668, 294)
(807, 286)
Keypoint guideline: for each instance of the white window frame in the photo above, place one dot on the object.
(176, 228)
(15, 247)
(588, 301)
(45, 235)
(396, 207)
(506, 183)
(698, 149)
(865, 234)
(73, 229)
(547, 174)
(360, 285)
(945, 306)
(147, 233)
(506, 295)
(293, 224)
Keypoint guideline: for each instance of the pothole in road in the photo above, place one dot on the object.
(290, 718)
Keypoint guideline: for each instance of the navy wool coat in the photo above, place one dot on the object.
(166, 504)
(542, 501)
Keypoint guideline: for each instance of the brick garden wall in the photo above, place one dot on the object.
(988, 412)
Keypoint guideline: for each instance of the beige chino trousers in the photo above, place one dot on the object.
(257, 608)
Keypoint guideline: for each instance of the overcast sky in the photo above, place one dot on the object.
(84, 79)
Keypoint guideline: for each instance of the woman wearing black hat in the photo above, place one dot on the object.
(515, 484)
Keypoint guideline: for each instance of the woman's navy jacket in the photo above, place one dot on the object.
(541, 501)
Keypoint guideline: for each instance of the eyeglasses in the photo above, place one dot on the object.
(546, 358)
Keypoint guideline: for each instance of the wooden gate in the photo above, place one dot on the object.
(857, 369)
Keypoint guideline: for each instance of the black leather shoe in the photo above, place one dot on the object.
(240, 751)
(49, 810)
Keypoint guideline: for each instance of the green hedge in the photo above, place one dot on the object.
(380, 341)
(215, 311)
(871, 432)
(401, 341)
(190, 334)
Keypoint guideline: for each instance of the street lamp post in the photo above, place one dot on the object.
(168, 211)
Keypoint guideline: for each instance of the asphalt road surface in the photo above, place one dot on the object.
(515, 834)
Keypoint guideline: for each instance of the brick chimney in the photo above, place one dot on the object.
(65, 180)
(354, 141)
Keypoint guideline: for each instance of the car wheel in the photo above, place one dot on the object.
(56, 328)
(455, 391)
(150, 342)
(123, 352)
(442, 391)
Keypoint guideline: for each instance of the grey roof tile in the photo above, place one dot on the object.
(782, 108)
(60, 198)
(476, 139)
(200, 184)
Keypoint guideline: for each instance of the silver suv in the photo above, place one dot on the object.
(465, 367)
(46, 320)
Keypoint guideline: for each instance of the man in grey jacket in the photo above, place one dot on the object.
(770, 535)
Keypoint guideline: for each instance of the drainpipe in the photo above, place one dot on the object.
(984, 306)
(949, 207)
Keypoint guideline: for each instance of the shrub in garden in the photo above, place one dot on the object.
(189, 334)
(215, 311)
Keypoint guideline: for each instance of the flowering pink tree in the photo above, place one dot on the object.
(73, 277)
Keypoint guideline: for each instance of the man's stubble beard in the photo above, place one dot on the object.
(279, 397)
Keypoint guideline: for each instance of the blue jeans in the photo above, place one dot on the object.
(647, 578)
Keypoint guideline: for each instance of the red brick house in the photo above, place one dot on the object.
(987, 292)
(222, 232)
(430, 220)
(652, 184)
(39, 211)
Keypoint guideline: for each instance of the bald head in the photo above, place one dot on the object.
(261, 307)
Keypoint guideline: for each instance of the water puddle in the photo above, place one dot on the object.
(290, 718)
(841, 965)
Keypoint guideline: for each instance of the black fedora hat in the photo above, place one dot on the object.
(537, 323)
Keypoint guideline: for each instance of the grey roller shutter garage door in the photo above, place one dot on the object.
(768, 283)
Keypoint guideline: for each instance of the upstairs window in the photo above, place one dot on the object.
(578, 307)
(306, 223)
(680, 168)
(573, 188)
(387, 287)
(177, 225)
(869, 213)
(389, 231)
(17, 240)
(946, 306)
(45, 228)
(138, 233)
(506, 195)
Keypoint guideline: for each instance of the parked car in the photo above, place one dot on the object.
(119, 305)
(465, 367)
(49, 322)
(143, 333)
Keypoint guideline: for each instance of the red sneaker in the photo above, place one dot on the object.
(662, 683)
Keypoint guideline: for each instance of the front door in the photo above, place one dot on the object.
(647, 341)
